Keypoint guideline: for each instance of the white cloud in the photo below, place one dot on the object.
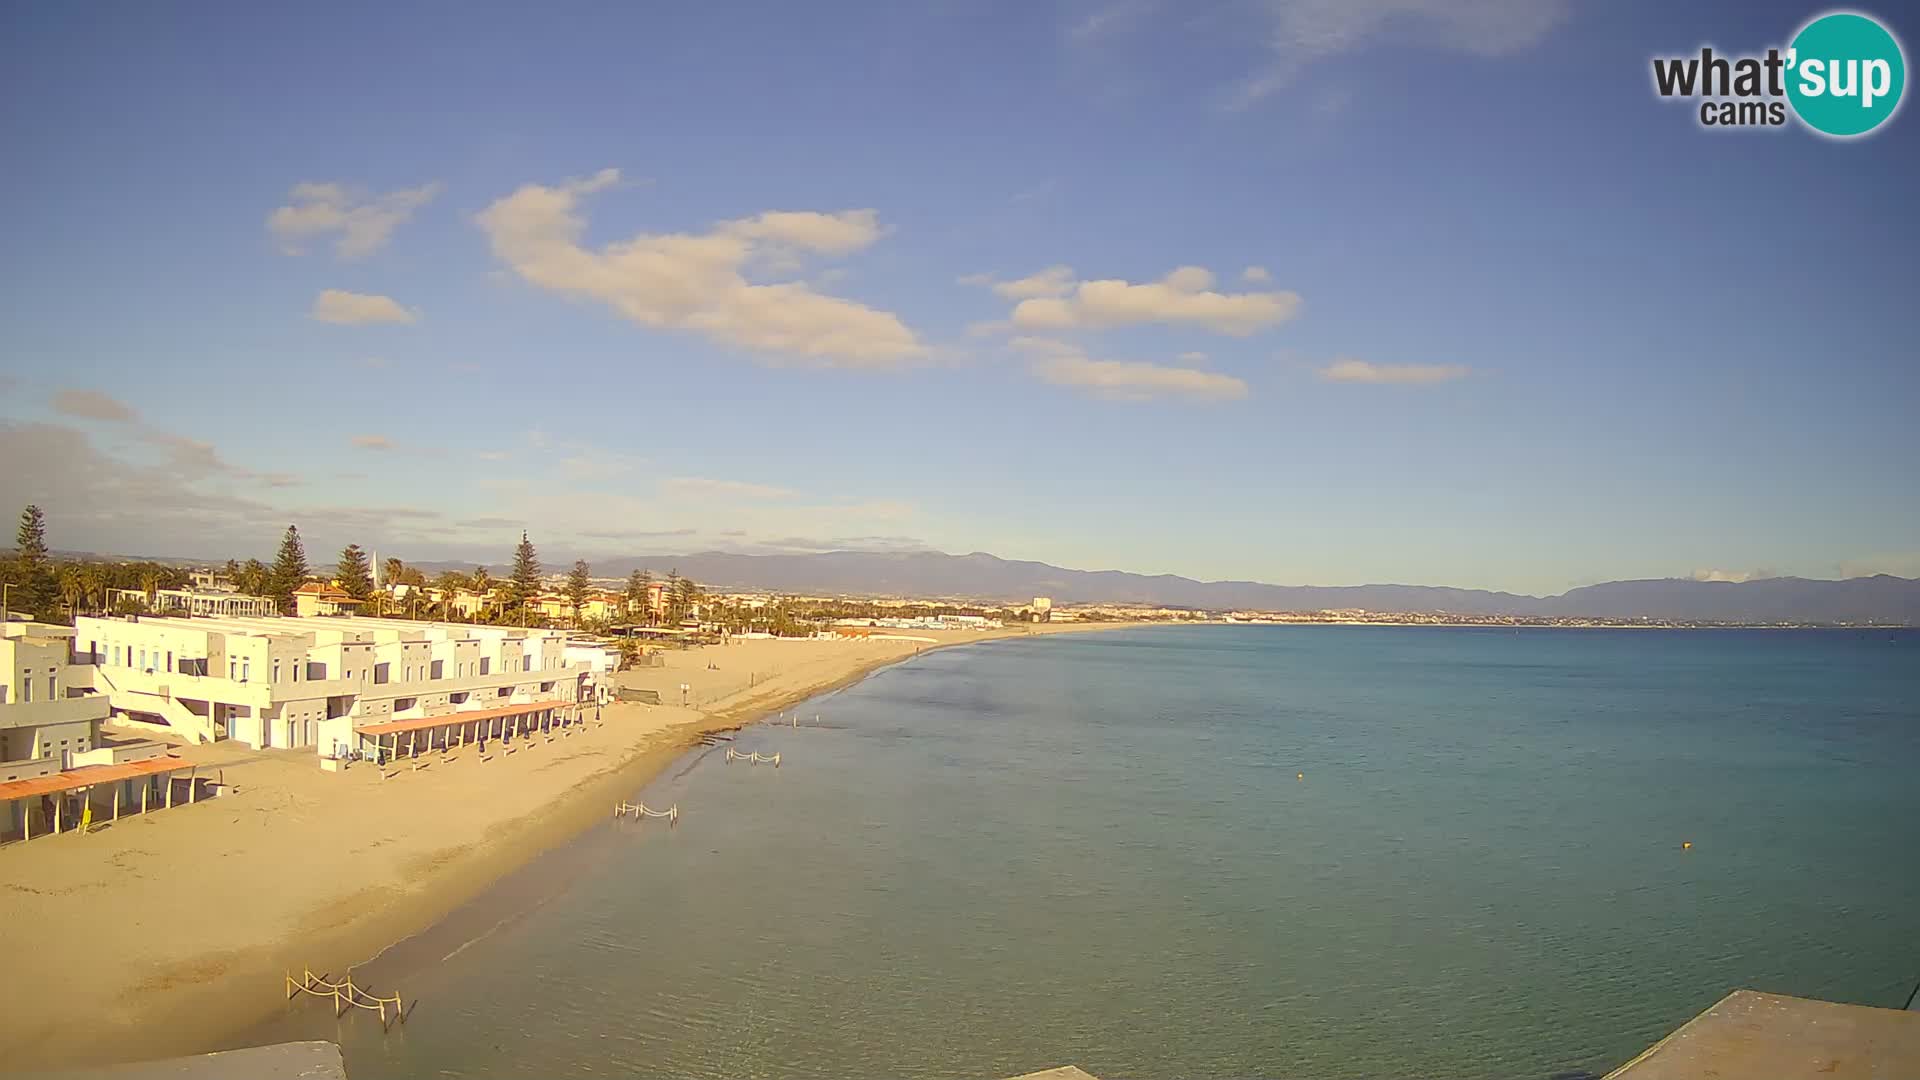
(364, 222)
(1301, 32)
(698, 281)
(1064, 364)
(1192, 359)
(1183, 297)
(700, 487)
(1348, 369)
(1256, 275)
(1734, 576)
(354, 309)
(1904, 564)
(372, 442)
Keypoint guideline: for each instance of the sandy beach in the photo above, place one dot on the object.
(161, 934)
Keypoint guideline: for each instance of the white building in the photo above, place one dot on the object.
(48, 710)
(201, 601)
(299, 682)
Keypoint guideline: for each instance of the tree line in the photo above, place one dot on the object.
(53, 590)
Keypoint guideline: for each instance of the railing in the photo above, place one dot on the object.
(347, 995)
(641, 810)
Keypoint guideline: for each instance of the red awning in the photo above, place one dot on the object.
(88, 776)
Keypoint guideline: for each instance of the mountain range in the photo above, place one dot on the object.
(980, 576)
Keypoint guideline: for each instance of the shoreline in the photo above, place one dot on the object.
(199, 992)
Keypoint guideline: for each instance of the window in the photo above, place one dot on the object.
(246, 668)
(436, 668)
(143, 659)
(53, 687)
(379, 674)
(169, 659)
(233, 668)
(26, 690)
(485, 663)
(276, 671)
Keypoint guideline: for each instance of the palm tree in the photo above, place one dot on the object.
(94, 578)
(150, 582)
(483, 584)
(73, 588)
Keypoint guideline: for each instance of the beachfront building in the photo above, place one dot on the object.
(48, 710)
(309, 682)
(55, 769)
(315, 598)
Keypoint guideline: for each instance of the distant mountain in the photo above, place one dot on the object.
(980, 576)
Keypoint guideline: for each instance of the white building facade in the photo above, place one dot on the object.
(278, 682)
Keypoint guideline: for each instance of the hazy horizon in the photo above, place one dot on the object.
(1376, 292)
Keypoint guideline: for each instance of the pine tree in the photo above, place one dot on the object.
(34, 588)
(289, 570)
(688, 597)
(354, 573)
(524, 583)
(579, 584)
(637, 583)
(671, 595)
(31, 540)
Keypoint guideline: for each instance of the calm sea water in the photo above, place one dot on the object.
(1098, 849)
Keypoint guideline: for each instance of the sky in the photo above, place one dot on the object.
(1286, 290)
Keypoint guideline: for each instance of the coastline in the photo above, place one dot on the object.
(183, 923)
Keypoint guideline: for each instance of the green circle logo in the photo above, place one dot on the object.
(1845, 74)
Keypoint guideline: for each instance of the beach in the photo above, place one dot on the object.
(162, 934)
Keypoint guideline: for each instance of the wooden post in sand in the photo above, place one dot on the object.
(146, 789)
(116, 803)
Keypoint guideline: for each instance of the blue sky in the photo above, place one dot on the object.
(1389, 290)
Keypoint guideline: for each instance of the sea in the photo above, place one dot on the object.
(1218, 853)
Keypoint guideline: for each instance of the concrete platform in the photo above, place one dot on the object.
(1750, 1034)
(283, 1061)
(1064, 1072)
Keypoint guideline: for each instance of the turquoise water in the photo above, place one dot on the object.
(1096, 849)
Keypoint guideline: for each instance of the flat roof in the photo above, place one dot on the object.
(89, 775)
(391, 726)
(1751, 1034)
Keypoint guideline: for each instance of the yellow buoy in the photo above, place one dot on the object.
(1686, 845)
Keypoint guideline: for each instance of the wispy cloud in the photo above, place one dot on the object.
(1897, 563)
(1301, 33)
(354, 309)
(1107, 19)
(380, 443)
(698, 282)
(1348, 369)
(701, 487)
(363, 222)
(186, 455)
(1064, 364)
(1735, 576)
(93, 405)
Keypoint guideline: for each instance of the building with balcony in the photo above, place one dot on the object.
(284, 682)
(49, 712)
